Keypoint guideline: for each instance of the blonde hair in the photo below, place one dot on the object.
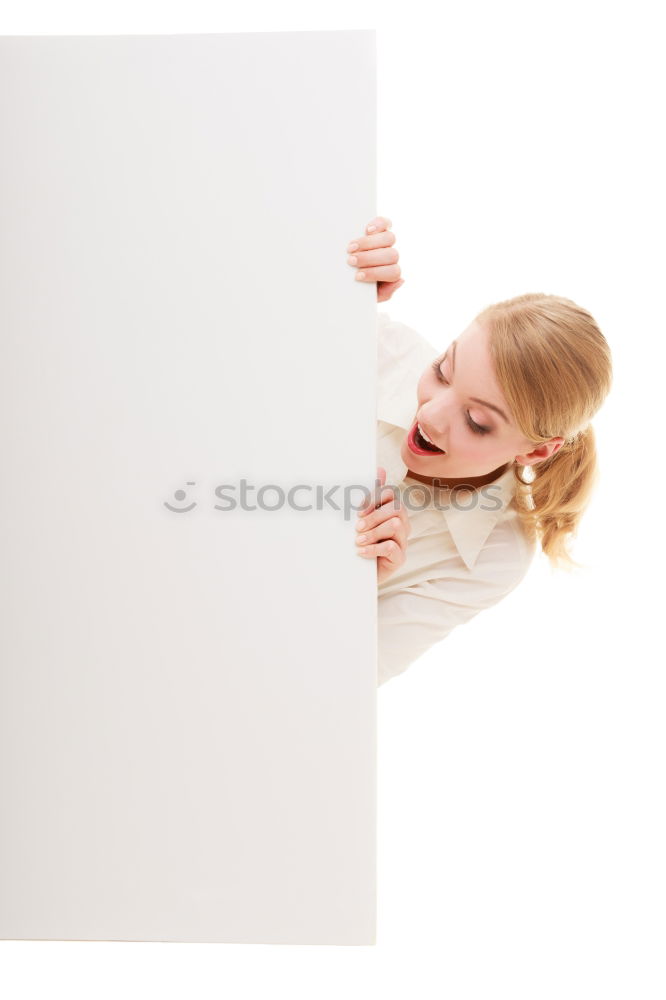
(555, 369)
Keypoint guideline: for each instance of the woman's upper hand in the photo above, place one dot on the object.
(385, 530)
(376, 259)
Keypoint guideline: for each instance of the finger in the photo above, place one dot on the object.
(375, 498)
(378, 223)
(381, 501)
(388, 505)
(372, 258)
(392, 527)
(369, 524)
(391, 508)
(382, 496)
(390, 549)
(384, 238)
(391, 272)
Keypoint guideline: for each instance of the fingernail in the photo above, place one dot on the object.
(360, 276)
(371, 229)
(353, 259)
(352, 246)
(360, 539)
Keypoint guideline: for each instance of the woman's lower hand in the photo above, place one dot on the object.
(384, 531)
(376, 259)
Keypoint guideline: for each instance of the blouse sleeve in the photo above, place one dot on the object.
(412, 620)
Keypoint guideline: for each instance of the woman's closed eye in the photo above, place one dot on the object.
(476, 428)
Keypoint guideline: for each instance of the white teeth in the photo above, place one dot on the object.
(424, 435)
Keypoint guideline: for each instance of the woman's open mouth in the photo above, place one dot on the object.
(419, 445)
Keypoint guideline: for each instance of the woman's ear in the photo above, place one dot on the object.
(542, 452)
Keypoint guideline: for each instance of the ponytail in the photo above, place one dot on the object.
(553, 502)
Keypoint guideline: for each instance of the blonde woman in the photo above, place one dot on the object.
(486, 453)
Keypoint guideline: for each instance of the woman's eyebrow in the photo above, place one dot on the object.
(474, 398)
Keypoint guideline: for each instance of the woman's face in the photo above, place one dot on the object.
(463, 412)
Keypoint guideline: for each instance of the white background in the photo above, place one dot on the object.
(521, 807)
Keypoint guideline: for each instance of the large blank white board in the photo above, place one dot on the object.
(187, 713)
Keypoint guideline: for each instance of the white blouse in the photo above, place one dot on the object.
(467, 548)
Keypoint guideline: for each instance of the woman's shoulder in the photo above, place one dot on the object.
(500, 565)
(399, 340)
(507, 554)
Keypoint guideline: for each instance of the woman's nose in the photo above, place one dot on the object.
(437, 414)
(436, 424)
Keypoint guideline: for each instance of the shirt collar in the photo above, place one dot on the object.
(469, 523)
